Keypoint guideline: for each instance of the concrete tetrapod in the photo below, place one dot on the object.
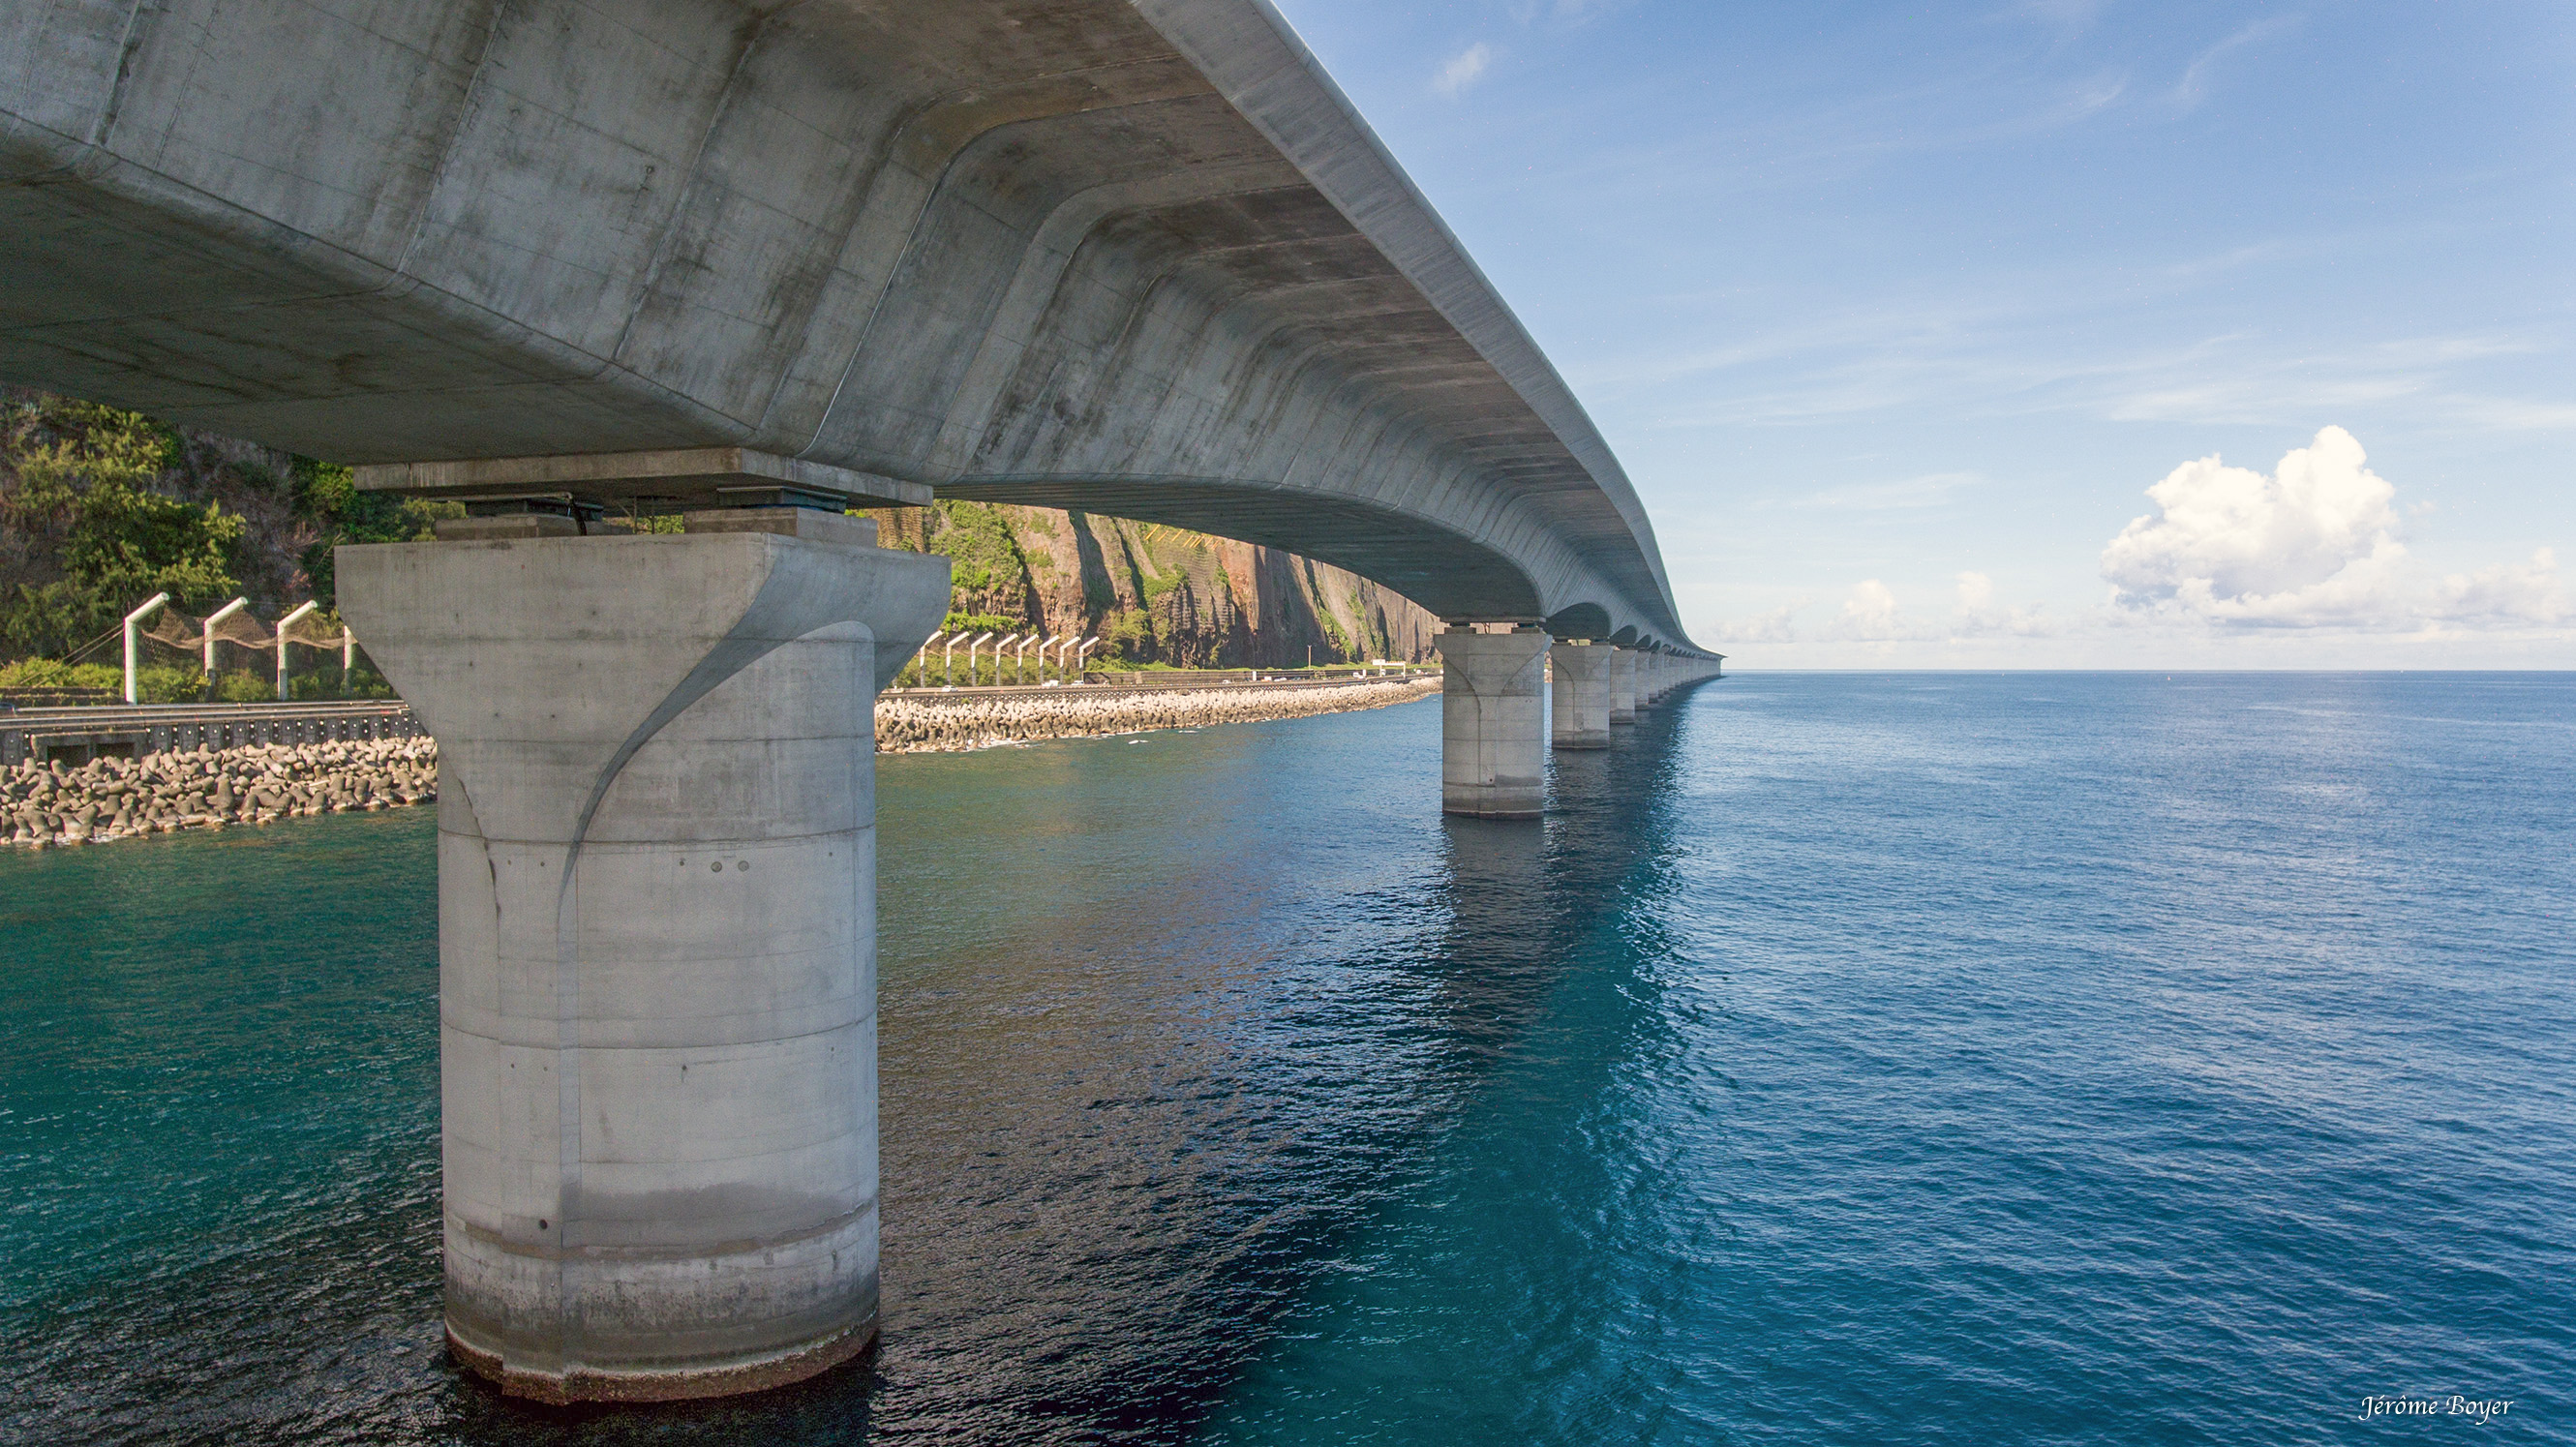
(1493, 731)
(1581, 695)
(1623, 686)
(657, 940)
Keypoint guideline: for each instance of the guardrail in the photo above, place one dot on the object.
(1097, 685)
(78, 735)
(1220, 677)
(15, 698)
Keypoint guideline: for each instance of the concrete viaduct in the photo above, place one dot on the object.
(755, 262)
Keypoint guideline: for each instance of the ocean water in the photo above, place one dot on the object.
(1847, 1058)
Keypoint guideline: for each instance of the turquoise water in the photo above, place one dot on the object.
(2002, 1058)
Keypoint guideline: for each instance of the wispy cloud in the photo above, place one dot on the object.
(2193, 88)
(1930, 490)
(1463, 70)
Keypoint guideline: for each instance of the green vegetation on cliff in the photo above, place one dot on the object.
(101, 508)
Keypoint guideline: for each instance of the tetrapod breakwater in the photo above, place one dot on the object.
(911, 723)
(59, 800)
(111, 798)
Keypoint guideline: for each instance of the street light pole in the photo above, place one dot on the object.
(289, 621)
(134, 641)
(218, 616)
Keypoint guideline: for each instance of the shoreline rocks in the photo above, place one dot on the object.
(930, 723)
(55, 805)
(51, 805)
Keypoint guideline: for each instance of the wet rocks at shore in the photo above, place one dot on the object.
(108, 799)
(54, 804)
(933, 723)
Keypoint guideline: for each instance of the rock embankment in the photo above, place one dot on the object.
(48, 805)
(108, 799)
(934, 723)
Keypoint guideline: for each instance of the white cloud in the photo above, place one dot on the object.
(1772, 627)
(1871, 615)
(2508, 595)
(1463, 69)
(1870, 611)
(2313, 545)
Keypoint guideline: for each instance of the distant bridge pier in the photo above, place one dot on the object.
(1623, 686)
(657, 936)
(1580, 695)
(1493, 731)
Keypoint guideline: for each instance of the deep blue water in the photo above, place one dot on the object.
(1848, 1058)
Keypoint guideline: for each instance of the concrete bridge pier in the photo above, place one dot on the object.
(1581, 695)
(1493, 733)
(1623, 686)
(657, 937)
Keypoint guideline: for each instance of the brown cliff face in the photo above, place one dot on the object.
(1153, 594)
(1157, 594)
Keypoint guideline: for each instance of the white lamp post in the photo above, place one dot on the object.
(134, 640)
(997, 658)
(948, 659)
(921, 660)
(973, 644)
(1082, 653)
(289, 621)
(218, 616)
(1043, 645)
(1020, 661)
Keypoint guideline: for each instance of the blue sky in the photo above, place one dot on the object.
(1895, 313)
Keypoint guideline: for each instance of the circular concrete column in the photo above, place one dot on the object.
(657, 945)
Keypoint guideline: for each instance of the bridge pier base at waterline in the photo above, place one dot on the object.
(657, 937)
(1495, 727)
(1580, 695)
(1493, 723)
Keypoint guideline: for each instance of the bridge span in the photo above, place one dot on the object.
(755, 263)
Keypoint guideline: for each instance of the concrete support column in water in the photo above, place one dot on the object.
(657, 938)
(1581, 695)
(1493, 732)
(1623, 686)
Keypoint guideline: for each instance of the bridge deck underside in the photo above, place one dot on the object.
(1047, 246)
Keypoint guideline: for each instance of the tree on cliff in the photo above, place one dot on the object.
(101, 508)
(83, 534)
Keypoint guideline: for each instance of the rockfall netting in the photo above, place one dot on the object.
(185, 633)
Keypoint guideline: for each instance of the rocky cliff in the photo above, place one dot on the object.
(100, 508)
(1157, 594)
